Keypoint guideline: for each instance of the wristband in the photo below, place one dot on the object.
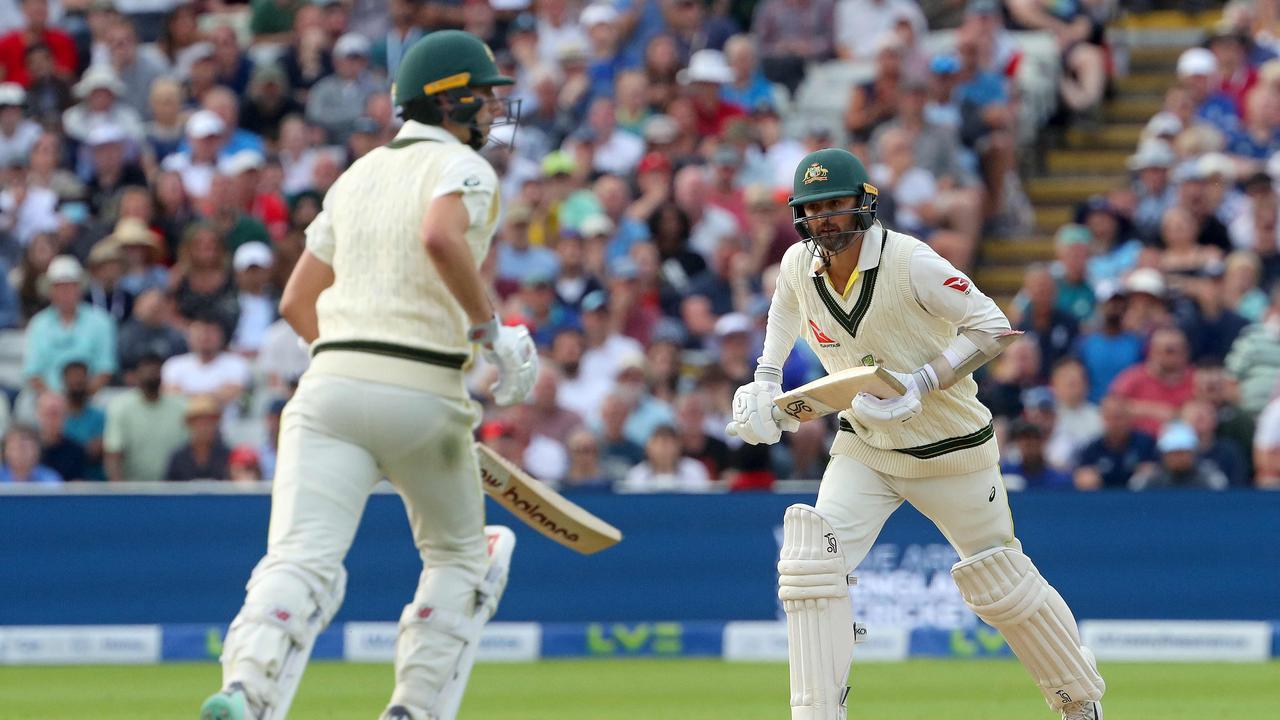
(484, 333)
(768, 373)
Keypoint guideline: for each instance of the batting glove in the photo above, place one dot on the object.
(754, 419)
(512, 351)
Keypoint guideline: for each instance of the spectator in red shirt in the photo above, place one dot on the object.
(707, 71)
(13, 46)
(1157, 389)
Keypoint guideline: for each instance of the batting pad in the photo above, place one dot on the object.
(814, 589)
(1004, 588)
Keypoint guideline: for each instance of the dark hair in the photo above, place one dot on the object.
(75, 364)
(148, 358)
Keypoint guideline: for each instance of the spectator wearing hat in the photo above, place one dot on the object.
(1032, 470)
(21, 450)
(1150, 166)
(664, 468)
(707, 73)
(37, 29)
(558, 27)
(252, 264)
(269, 102)
(517, 258)
(336, 101)
(1180, 466)
(1198, 75)
(859, 21)
(17, 133)
(197, 165)
(1258, 136)
(142, 251)
(876, 101)
(1201, 415)
(110, 170)
(99, 94)
(1157, 389)
(68, 330)
(1039, 313)
(136, 67)
(104, 291)
(225, 104)
(205, 456)
(792, 34)
(1109, 347)
(1072, 244)
(150, 331)
(58, 452)
(1118, 454)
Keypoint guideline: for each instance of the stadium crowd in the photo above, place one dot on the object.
(161, 161)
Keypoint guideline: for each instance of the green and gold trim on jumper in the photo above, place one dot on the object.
(941, 447)
(454, 361)
(852, 319)
(406, 142)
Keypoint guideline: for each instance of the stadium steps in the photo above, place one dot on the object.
(1090, 161)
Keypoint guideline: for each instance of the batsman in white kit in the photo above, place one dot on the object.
(863, 295)
(390, 297)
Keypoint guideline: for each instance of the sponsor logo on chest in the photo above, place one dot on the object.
(823, 339)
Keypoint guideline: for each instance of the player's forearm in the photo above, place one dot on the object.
(782, 327)
(969, 351)
(310, 277)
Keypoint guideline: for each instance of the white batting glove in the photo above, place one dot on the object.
(511, 350)
(753, 410)
(884, 414)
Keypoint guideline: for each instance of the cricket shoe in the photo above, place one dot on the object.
(227, 704)
(1085, 710)
(397, 712)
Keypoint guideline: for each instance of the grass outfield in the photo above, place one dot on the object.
(655, 690)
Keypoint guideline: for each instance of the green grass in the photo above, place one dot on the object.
(655, 690)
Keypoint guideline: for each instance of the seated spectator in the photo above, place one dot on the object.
(101, 104)
(702, 81)
(1194, 195)
(208, 369)
(1241, 290)
(106, 269)
(137, 67)
(17, 134)
(518, 259)
(1255, 227)
(1179, 467)
(282, 358)
(1075, 294)
(257, 300)
(1119, 454)
(1259, 135)
(876, 101)
(1078, 420)
(143, 250)
(22, 456)
(268, 449)
(204, 456)
(1254, 359)
(664, 469)
(986, 122)
(585, 472)
(223, 208)
(1155, 195)
(695, 442)
(85, 422)
(204, 285)
(197, 164)
(36, 29)
(1198, 76)
(791, 36)
(150, 331)
(28, 278)
(573, 280)
(553, 419)
(1266, 447)
(1080, 39)
(26, 210)
(749, 89)
(1157, 389)
(44, 170)
(144, 427)
(1109, 348)
(1181, 252)
(542, 310)
(858, 23)
(57, 451)
(268, 102)
(242, 465)
(1032, 471)
(48, 91)
(164, 129)
(68, 330)
(1202, 416)
(1236, 76)
(337, 100)
(1017, 368)
(618, 453)
(1054, 330)
(1210, 327)
(577, 391)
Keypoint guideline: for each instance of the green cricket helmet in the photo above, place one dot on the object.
(832, 173)
(437, 78)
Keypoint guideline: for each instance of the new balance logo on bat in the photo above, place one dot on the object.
(823, 339)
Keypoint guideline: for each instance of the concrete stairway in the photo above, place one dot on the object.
(1084, 162)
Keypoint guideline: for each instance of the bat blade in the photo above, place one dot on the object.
(835, 392)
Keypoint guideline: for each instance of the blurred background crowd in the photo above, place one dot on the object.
(161, 160)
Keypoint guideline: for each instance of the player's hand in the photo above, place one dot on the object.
(511, 350)
(753, 414)
(876, 413)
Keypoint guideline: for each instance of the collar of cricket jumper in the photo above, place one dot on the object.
(414, 131)
(868, 256)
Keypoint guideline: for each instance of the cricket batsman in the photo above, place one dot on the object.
(389, 296)
(862, 294)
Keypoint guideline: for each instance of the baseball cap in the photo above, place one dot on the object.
(653, 161)
(253, 253)
(104, 134)
(944, 64)
(99, 77)
(64, 269)
(594, 225)
(243, 161)
(12, 94)
(204, 123)
(733, 323)
(1177, 436)
(1216, 163)
(706, 66)
(1196, 61)
(596, 14)
(1145, 280)
(1039, 398)
(202, 406)
(1072, 234)
(660, 129)
(558, 162)
(594, 300)
(1162, 124)
(1152, 153)
(351, 44)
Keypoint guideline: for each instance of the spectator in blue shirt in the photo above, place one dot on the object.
(68, 330)
(1032, 470)
(1197, 72)
(600, 21)
(85, 423)
(21, 459)
(749, 88)
(518, 261)
(1110, 349)
(1121, 452)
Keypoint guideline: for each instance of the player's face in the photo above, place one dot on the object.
(831, 223)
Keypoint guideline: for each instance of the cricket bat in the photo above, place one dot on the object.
(835, 392)
(542, 508)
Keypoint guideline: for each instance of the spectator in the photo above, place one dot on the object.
(1236, 77)
(1108, 349)
(1032, 471)
(1119, 454)
(1074, 294)
(137, 68)
(1084, 75)
(225, 211)
(1157, 389)
(554, 420)
(269, 102)
(208, 369)
(307, 58)
(792, 34)
(573, 281)
(711, 225)
(68, 330)
(1210, 327)
(202, 76)
(1150, 166)
(110, 172)
(876, 101)
(36, 30)
(197, 165)
(403, 32)
(618, 453)
(518, 259)
(17, 134)
(85, 422)
(48, 91)
(1255, 227)
(179, 39)
(256, 298)
(28, 278)
(143, 250)
(1018, 367)
(664, 469)
(242, 465)
(106, 268)
(58, 452)
(1194, 195)
(44, 172)
(99, 93)
(1266, 447)
(1254, 359)
(150, 331)
(282, 359)
(268, 449)
(1198, 77)
(543, 311)
(1179, 466)
(1054, 330)
(338, 100)
(22, 455)
(616, 151)
(860, 23)
(164, 129)
(585, 472)
(707, 73)
(1078, 420)
(235, 139)
(1202, 416)
(233, 67)
(986, 120)
(1115, 252)
(1148, 308)
(1240, 285)
(1181, 252)
(1259, 135)
(749, 89)
(695, 442)
(204, 285)
(204, 456)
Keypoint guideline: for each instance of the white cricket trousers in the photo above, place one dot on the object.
(971, 510)
(338, 437)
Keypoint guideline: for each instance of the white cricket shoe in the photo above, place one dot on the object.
(1085, 710)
